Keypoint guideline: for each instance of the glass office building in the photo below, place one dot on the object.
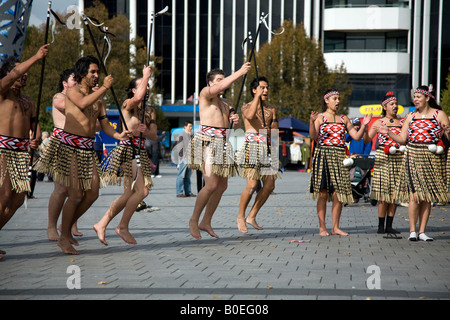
(384, 44)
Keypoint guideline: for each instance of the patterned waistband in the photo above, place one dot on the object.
(213, 131)
(135, 142)
(255, 137)
(77, 141)
(57, 132)
(15, 144)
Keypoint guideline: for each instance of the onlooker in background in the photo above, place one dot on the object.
(356, 146)
(153, 148)
(44, 144)
(184, 173)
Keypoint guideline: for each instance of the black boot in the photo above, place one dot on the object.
(389, 228)
(380, 225)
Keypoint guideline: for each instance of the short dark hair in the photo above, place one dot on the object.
(210, 76)
(187, 122)
(64, 76)
(8, 65)
(82, 66)
(255, 83)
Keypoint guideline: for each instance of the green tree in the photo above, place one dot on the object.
(298, 75)
(66, 48)
(445, 96)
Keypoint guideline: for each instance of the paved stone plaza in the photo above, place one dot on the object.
(169, 264)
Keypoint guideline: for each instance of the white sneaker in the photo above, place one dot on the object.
(424, 237)
(412, 236)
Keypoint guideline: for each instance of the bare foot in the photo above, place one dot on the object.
(208, 229)
(339, 232)
(100, 234)
(52, 234)
(242, 226)
(126, 235)
(323, 233)
(66, 246)
(253, 223)
(195, 232)
(76, 233)
(73, 241)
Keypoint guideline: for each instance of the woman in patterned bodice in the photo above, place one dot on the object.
(387, 164)
(330, 179)
(422, 176)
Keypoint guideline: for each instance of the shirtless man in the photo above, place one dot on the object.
(17, 120)
(76, 164)
(46, 161)
(122, 160)
(253, 156)
(209, 144)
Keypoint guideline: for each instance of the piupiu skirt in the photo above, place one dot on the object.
(75, 161)
(117, 166)
(255, 161)
(14, 162)
(386, 176)
(329, 173)
(214, 151)
(45, 163)
(423, 173)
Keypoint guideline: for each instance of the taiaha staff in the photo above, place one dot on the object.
(144, 100)
(40, 88)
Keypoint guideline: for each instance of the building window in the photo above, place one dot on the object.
(365, 41)
(364, 3)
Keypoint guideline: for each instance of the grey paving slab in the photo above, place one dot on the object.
(168, 264)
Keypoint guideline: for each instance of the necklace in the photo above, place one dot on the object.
(390, 120)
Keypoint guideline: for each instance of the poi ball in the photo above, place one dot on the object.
(348, 162)
(439, 150)
(392, 150)
(432, 148)
(402, 148)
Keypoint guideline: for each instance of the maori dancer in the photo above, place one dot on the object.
(18, 119)
(76, 165)
(46, 160)
(388, 159)
(121, 163)
(253, 157)
(330, 179)
(206, 152)
(423, 177)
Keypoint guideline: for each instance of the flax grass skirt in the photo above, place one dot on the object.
(328, 173)
(214, 151)
(73, 167)
(15, 164)
(118, 166)
(255, 162)
(386, 176)
(45, 163)
(424, 174)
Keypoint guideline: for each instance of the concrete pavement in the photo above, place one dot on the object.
(168, 264)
